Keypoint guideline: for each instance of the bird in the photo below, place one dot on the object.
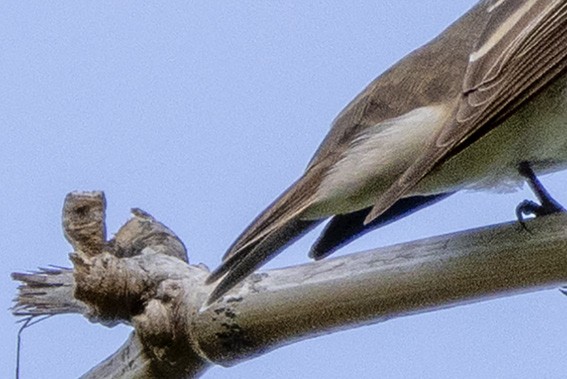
(482, 106)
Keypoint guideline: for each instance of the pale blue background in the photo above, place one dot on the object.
(201, 113)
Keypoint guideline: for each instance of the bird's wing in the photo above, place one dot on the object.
(522, 48)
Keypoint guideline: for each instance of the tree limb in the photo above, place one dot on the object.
(141, 278)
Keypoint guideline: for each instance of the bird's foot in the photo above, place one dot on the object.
(548, 205)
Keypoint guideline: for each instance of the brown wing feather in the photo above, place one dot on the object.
(421, 78)
(288, 205)
(527, 57)
(273, 229)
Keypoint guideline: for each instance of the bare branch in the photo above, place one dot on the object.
(48, 291)
(142, 278)
(280, 307)
(131, 361)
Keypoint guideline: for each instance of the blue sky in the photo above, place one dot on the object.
(201, 113)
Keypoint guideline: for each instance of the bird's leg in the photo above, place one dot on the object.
(547, 204)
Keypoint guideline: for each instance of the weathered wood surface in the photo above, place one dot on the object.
(142, 277)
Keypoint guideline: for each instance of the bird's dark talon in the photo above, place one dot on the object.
(526, 208)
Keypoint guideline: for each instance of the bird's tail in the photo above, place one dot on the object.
(344, 228)
(274, 229)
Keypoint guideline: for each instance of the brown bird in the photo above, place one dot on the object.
(481, 106)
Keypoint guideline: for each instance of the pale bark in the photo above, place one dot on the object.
(142, 278)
